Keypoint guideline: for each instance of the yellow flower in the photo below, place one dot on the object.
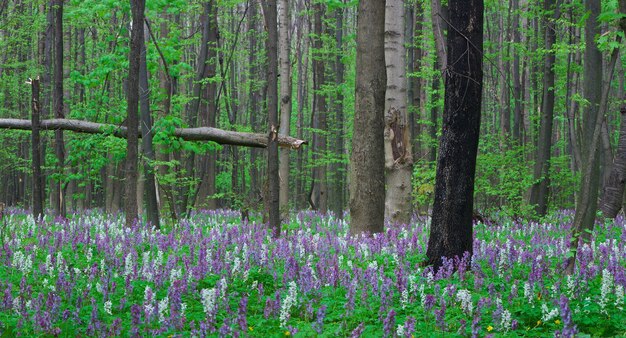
(538, 322)
(489, 328)
(287, 333)
(557, 322)
(250, 328)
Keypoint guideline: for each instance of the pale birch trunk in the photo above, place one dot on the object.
(398, 152)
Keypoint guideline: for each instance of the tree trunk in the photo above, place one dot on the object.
(367, 169)
(132, 119)
(451, 233)
(613, 195)
(539, 192)
(38, 189)
(285, 104)
(338, 167)
(517, 85)
(611, 201)
(152, 207)
(270, 13)
(253, 98)
(207, 112)
(398, 148)
(586, 205)
(57, 96)
(319, 187)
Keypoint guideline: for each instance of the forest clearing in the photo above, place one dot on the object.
(351, 168)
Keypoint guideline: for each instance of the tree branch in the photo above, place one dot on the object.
(220, 136)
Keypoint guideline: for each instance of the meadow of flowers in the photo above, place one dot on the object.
(211, 275)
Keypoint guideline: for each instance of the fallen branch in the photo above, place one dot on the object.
(188, 134)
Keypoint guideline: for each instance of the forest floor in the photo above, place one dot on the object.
(211, 275)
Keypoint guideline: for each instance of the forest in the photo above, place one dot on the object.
(351, 168)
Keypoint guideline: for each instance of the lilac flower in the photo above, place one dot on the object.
(358, 331)
(389, 323)
(318, 325)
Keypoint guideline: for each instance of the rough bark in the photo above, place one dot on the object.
(517, 85)
(132, 111)
(398, 148)
(611, 202)
(285, 103)
(539, 192)
(319, 194)
(337, 168)
(586, 205)
(150, 188)
(451, 231)
(38, 189)
(270, 13)
(367, 172)
(57, 97)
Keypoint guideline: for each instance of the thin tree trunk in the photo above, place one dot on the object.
(613, 195)
(337, 168)
(58, 197)
(367, 169)
(38, 191)
(271, 22)
(132, 119)
(285, 103)
(539, 192)
(152, 207)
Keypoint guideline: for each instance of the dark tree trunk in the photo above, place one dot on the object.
(517, 85)
(152, 208)
(253, 98)
(338, 168)
(451, 231)
(57, 96)
(270, 13)
(367, 172)
(611, 201)
(132, 120)
(38, 193)
(319, 187)
(539, 192)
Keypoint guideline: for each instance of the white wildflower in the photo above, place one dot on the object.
(236, 265)
(400, 330)
(373, 265)
(547, 314)
(506, 321)
(619, 296)
(145, 267)
(128, 265)
(288, 303)
(183, 309)
(163, 306)
(99, 287)
(605, 289)
(176, 274)
(17, 304)
(89, 255)
(528, 292)
(465, 297)
(404, 299)
(208, 300)
(107, 307)
(49, 267)
(570, 286)
(412, 284)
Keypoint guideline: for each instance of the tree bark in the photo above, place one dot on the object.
(451, 231)
(57, 97)
(270, 13)
(611, 202)
(38, 189)
(367, 169)
(398, 148)
(132, 119)
(188, 134)
(337, 168)
(150, 188)
(586, 205)
(285, 104)
(319, 186)
(539, 192)
(613, 195)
